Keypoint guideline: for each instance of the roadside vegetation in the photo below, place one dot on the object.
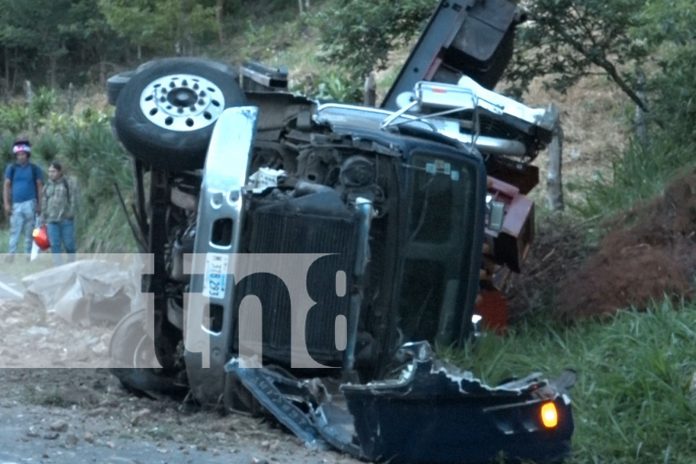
(81, 138)
(635, 400)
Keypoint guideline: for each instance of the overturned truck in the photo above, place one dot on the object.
(307, 255)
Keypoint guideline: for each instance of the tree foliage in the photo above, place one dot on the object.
(58, 41)
(359, 34)
(656, 37)
(569, 39)
(35, 28)
(170, 26)
(670, 30)
(47, 38)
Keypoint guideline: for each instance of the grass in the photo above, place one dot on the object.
(634, 400)
(638, 172)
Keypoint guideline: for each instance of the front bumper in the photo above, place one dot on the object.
(433, 413)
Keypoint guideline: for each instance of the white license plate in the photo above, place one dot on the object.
(215, 280)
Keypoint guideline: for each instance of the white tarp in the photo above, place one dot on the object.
(89, 290)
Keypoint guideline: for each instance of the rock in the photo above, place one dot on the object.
(110, 404)
(259, 461)
(51, 435)
(97, 412)
(139, 416)
(99, 385)
(58, 426)
(88, 437)
(38, 331)
(71, 440)
(32, 432)
(269, 445)
(100, 349)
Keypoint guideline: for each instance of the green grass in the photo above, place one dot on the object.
(633, 401)
(640, 173)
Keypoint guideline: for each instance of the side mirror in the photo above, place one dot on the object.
(495, 214)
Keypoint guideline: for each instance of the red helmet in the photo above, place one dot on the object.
(40, 235)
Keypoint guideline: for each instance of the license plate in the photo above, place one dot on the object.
(215, 280)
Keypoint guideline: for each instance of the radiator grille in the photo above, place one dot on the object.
(285, 230)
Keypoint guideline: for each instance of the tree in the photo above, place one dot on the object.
(34, 29)
(359, 34)
(670, 29)
(569, 39)
(219, 15)
(171, 26)
(90, 39)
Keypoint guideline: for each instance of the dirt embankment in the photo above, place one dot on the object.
(651, 252)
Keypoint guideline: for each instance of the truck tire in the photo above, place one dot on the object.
(166, 111)
(127, 354)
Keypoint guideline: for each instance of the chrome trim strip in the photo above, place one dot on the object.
(224, 177)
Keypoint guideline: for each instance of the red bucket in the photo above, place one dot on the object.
(40, 235)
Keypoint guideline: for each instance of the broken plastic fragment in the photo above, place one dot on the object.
(264, 179)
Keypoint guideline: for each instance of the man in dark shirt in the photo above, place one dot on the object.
(23, 182)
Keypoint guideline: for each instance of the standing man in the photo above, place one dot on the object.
(58, 203)
(21, 192)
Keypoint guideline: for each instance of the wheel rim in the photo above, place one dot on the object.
(143, 355)
(182, 102)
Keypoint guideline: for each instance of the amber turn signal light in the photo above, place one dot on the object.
(549, 415)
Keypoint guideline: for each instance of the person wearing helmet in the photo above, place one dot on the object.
(58, 205)
(21, 192)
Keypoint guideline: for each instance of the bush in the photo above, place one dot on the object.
(14, 119)
(334, 87)
(97, 160)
